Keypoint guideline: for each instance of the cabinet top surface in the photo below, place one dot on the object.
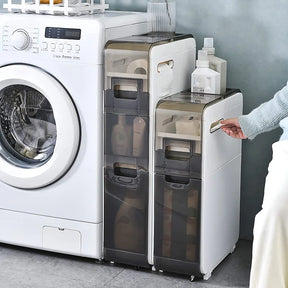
(190, 101)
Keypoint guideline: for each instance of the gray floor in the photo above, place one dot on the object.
(27, 268)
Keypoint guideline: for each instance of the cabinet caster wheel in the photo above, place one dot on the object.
(206, 276)
(192, 278)
(153, 269)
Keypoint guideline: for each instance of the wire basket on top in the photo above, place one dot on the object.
(61, 7)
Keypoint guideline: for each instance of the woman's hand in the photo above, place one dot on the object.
(232, 128)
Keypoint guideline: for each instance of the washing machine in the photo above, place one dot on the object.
(51, 128)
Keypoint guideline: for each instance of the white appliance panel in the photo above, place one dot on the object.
(95, 31)
(26, 229)
(221, 178)
(75, 201)
(220, 214)
(219, 149)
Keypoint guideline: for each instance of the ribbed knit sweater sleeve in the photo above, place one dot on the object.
(267, 116)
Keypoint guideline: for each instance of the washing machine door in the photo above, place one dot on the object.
(39, 127)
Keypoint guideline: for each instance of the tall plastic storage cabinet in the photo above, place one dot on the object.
(197, 182)
(139, 70)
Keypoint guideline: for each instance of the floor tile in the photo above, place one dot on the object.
(28, 279)
(28, 268)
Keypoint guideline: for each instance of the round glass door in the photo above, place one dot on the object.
(39, 127)
(27, 126)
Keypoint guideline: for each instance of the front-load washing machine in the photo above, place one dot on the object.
(51, 128)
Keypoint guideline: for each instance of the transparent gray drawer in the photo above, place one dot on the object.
(127, 96)
(126, 135)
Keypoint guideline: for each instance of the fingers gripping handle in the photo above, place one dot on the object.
(216, 125)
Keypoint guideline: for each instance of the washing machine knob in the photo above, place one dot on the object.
(20, 39)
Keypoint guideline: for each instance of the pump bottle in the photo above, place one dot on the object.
(216, 63)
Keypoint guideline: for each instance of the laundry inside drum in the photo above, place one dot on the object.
(28, 129)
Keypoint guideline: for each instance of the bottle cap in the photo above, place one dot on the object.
(209, 46)
(202, 61)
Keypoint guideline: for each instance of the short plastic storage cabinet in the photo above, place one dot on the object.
(139, 70)
(197, 182)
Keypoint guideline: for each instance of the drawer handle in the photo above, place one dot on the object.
(177, 179)
(170, 63)
(125, 170)
(216, 125)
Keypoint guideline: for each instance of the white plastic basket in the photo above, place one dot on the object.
(66, 7)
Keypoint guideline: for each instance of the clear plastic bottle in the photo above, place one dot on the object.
(216, 63)
(162, 15)
(121, 137)
(204, 79)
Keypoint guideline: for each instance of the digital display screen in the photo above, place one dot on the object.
(62, 33)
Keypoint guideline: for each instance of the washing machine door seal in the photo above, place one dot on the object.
(39, 127)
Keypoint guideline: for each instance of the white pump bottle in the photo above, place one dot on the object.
(216, 63)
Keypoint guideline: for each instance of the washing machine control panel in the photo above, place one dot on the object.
(47, 42)
(20, 39)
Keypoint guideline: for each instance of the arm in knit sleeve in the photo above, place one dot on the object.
(267, 116)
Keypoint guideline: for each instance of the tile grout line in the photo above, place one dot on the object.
(109, 281)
